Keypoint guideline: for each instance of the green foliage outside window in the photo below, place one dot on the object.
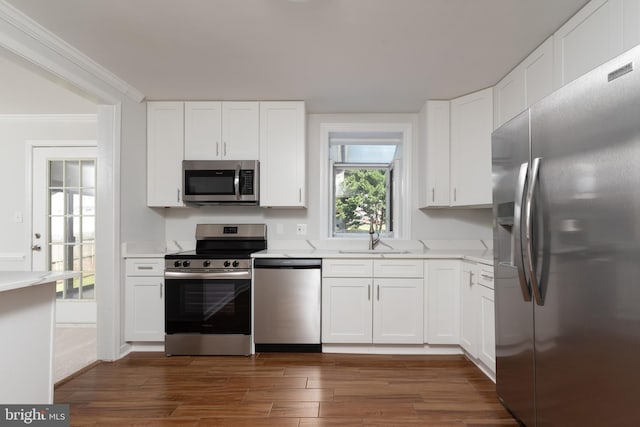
(361, 198)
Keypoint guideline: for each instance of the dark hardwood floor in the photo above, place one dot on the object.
(271, 389)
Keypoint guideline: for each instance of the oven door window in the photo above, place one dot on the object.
(209, 182)
(208, 306)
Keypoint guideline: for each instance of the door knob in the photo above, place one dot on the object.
(36, 248)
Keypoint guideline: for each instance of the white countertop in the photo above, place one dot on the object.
(482, 256)
(10, 280)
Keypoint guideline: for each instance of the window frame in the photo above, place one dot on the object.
(402, 176)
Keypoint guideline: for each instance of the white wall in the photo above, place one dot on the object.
(121, 132)
(441, 224)
(13, 136)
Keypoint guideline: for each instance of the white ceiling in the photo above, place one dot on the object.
(337, 55)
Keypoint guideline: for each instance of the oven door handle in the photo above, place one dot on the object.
(246, 274)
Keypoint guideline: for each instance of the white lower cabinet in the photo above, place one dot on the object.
(487, 346)
(477, 323)
(144, 299)
(372, 308)
(469, 308)
(442, 302)
(346, 310)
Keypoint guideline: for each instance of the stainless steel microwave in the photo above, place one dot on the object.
(221, 182)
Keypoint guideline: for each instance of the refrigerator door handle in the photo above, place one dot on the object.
(517, 231)
(535, 169)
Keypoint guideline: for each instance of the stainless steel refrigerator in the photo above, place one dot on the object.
(566, 204)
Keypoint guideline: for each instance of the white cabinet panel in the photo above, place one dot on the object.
(469, 309)
(442, 322)
(145, 267)
(631, 23)
(144, 299)
(345, 267)
(471, 127)
(538, 73)
(359, 307)
(202, 130)
(240, 131)
(487, 339)
(346, 310)
(591, 37)
(435, 117)
(525, 85)
(282, 154)
(509, 97)
(221, 130)
(398, 311)
(398, 268)
(165, 135)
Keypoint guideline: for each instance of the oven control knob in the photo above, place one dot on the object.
(227, 263)
(177, 264)
(235, 263)
(186, 263)
(207, 263)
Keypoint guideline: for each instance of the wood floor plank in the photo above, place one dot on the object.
(294, 409)
(276, 389)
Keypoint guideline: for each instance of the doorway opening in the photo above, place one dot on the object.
(63, 218)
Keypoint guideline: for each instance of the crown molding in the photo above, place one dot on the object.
(23, 23)
(49, 118)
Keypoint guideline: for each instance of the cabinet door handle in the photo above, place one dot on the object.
(225, 149)
(300, 195)
(217, 148)
(145, 267)
(433, 194)
(378, 292)
(486, 276)
(470, 278)
(160, 290)
(455, 194)
(178, 196)
(368, 292)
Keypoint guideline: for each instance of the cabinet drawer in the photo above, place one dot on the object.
(145, 267)
(398, 268)
(347, 268)
(485, 276)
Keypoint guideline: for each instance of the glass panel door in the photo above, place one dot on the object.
(71, 213)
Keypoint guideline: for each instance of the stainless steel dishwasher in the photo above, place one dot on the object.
(287, 304)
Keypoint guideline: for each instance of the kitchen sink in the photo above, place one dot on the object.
(373, 252)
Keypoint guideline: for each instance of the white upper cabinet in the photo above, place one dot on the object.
(525, 85)
(471, 127)
(221, 131)
(202, 130)
(165, 135)
(283, 154)
(240, 130)
(591, 37)
(538, 73)
(509, 97)
(435, 125)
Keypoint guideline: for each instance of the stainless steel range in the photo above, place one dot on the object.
(208, 291)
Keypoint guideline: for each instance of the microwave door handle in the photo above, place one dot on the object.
(236, 182)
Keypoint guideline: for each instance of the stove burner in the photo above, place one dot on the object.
(220, 247)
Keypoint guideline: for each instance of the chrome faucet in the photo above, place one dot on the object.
(373, 242)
